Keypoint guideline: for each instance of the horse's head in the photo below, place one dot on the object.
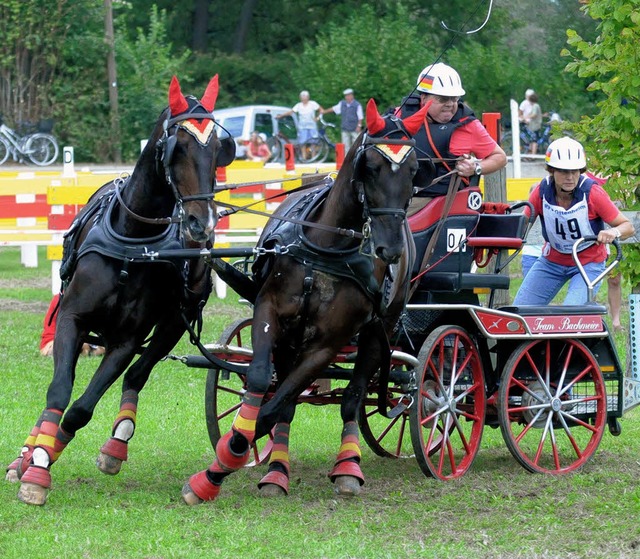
(384, 164)
(188, 152)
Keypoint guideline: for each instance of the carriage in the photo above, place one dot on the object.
(414, 350)
(549, 377)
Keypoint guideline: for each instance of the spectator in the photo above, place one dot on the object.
(351, 115)
(451, 132)
(570, 206)
(257, 148)
(306, 110)
(532, 121)
(49, 331)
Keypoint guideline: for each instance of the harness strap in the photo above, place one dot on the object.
(338, 230)
(151, 220)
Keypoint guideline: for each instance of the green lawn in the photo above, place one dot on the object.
(496, 510)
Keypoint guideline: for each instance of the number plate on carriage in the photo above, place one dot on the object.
(455, 240)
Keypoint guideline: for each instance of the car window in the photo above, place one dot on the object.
(234, 125)
(287, 127)
(264, 123)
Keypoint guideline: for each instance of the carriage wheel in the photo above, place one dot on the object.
(224, 391)
(385, 437)
(552, 405)
(448, 414)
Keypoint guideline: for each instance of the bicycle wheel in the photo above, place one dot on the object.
(4, 151)
(311, 151)
(506, 142)
(42, 149)
(276, 148)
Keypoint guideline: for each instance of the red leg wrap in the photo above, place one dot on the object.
(245, 421)
(227, 460)
(348, 468)
(202, 487)
(276, 478)
(38, 476)
(24, 462)
(115, 448)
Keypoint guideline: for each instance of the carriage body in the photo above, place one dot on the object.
(549, 377)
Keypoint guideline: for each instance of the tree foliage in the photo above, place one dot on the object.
(609, 135)
(53, 56)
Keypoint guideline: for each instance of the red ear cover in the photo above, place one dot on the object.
(413, 123)
(208, 100)
(177, 103)
(375, 123)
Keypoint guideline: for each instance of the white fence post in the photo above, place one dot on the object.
(515, 134)
(68, 169)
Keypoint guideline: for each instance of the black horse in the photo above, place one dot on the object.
(111, 289)
(319, 286)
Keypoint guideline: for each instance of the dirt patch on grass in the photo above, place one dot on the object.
(33, 307)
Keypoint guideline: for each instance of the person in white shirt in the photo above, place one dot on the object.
(306, 110)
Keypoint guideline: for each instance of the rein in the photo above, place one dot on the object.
(119, 184)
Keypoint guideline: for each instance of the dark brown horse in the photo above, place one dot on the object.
(110, 289)
(318, 289)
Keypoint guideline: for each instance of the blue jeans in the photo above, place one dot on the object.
(545, 279)
(528, 260)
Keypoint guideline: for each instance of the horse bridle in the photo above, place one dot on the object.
(371, 142)
(165, 147)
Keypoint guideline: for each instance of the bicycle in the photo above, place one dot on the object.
(40, 147)
(542, 138)
(315, 150)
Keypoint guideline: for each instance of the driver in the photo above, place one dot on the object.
(570, 206)
(450, 131)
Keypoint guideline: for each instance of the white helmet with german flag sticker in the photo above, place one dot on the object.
(566, 154)
(440, 79)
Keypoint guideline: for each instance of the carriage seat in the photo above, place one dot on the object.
(494, 232)
(555, 310)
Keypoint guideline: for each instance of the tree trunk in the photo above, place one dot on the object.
(200, 25)
(113, 82)
(244, 24)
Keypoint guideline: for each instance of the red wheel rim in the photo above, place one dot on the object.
(449, 410)
(552, 405)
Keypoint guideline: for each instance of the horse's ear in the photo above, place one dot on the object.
(177, 103)
(227, 152)
(413, 123)
(375, 122)
(208, 100)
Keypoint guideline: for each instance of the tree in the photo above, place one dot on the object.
(610, 134)
(33, 36)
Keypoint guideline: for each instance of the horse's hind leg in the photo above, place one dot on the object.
(276, 481)
(52, 439)
(115, 450)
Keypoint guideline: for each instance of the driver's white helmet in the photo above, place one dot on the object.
(566, 153)
(440, 79)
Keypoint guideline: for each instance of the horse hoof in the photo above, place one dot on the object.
(12, 476)
(108, 464)
(271, 490)
(33, 494)
(189, 497)
(347, 486)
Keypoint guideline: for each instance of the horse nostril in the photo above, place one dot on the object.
(195, 225)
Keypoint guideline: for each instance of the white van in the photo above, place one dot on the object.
(239, 122)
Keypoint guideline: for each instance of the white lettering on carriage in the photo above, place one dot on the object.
(565, 323)
(266, 327)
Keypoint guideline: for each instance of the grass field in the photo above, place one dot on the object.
(496, 510)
